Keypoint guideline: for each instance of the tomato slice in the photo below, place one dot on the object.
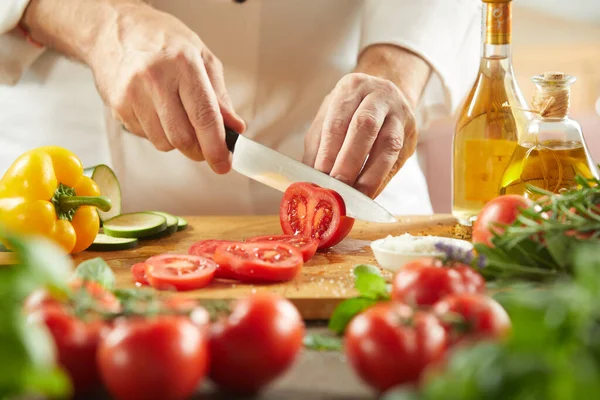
(179, 271)
(312, 211)
(260, 261)
(138, 270)
(206, 248)
(306, 245)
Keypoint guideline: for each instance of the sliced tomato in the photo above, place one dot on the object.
(206, 248)
(179, 271)
(306, 245)
(260, 261)
(138, 270)
(315, 212)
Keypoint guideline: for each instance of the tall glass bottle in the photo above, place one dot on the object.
(489, 123)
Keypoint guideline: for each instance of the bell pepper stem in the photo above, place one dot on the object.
(100, 202)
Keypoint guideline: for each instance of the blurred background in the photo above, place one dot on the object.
(548, 35)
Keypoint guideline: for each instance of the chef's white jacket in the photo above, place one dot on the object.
(281, 57)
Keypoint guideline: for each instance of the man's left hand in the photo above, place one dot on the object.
(363, 133)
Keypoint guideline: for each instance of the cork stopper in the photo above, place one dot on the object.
(553, 76)
(553, 96)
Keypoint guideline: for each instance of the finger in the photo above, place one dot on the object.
(129, 121)
(362, 133)
(382, 158)
(151, 126)
(176, 125)
(214, 69)
(313, 136)
(339, 114)
(202, 108)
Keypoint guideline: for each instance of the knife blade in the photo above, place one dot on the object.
(279, 171)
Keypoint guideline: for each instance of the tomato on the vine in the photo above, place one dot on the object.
(309, 210)
(389, 344)
(164, 357)
(260, 261)
(502, 210)
(76, 344)
(179, 271)
(103, 299)
(479, 317)
(306, 245)
(255, 344)
(425, 281)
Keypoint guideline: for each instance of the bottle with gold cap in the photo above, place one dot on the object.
(552, 150)
(491, 118)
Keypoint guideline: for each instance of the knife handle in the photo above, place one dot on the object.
(231, 138)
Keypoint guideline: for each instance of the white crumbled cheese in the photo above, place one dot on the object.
(408, 243)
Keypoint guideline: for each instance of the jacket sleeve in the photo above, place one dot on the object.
(445, 33)
(16, 53)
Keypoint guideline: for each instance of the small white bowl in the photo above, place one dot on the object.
(395, 260)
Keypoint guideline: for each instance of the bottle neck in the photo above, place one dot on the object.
(497, 30)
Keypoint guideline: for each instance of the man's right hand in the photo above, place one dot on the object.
(161, 81)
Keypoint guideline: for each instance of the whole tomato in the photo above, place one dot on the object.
(389, 345)
(103, 299)
(76, 344)
(255, 344)
(502, 210)
(425, 281)
(164, 357)
(479, 317)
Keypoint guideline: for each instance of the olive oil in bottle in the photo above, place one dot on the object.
(488, 126)
(552, 150)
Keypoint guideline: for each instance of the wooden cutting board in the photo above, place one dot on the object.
(325, 280)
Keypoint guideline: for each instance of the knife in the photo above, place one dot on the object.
(278, 171)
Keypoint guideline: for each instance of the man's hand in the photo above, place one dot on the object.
(365, 129)
(157, 76)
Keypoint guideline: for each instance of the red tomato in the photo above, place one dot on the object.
(179, 271)
(388, 345)
(103, 298)
(311, 211)
(502, 210)
(307, 246)
(425, 281)
(474, 282)
(260, 261)
(206, 248)
(160, 358)
(76, 344)
(138, 270)
(190, 307)
(482, 317)
(255, 344)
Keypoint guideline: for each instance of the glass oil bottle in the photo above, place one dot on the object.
(488, 125)
(552, 150)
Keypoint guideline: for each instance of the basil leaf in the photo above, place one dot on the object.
(346, 310)
(96, 270)
(366, 269)
(559, 246)
(371, 286)
(323, 342)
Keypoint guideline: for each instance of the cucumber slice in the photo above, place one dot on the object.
(181, 224)
(108, 243)
(106, 179)
(171, 225)
(135, 225)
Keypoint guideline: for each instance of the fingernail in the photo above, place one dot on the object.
(222, 167)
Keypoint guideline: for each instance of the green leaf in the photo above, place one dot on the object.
(323, 342)
(370, 283)
(346, 310)
(401, 393)
(366, 269)
(586, 265)
(96, 270)
(560, 246)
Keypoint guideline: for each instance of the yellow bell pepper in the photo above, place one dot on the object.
(44, 192)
